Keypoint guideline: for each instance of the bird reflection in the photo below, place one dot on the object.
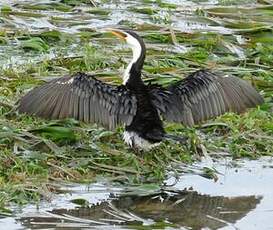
(184, 209)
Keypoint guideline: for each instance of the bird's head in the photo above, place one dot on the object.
(137, 45)
(130, 37)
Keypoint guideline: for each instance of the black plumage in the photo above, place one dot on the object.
(200, 96)
(204, 95)
(82, 97)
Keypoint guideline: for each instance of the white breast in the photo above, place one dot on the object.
(135, 141)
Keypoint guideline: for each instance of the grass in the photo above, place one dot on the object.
(35, 152)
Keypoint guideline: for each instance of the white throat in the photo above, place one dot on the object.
(136, 48)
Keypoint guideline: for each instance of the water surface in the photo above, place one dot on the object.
(241, 198)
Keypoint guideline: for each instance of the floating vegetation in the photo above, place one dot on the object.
(36, 44)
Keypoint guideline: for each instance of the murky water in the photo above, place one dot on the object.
(31, 18)
(241, 198)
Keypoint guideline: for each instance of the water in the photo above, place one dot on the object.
(241, 198)
(30, 18)
(245, 181)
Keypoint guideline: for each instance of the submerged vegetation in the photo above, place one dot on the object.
(37, 43)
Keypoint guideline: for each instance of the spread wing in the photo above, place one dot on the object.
(204, 95)
(81, 97)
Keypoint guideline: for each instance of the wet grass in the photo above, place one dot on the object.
(35, 152)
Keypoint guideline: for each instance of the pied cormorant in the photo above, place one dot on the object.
(198, 97)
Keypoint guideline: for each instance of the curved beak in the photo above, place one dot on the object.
(119, 33)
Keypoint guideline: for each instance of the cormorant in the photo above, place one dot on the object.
(196, 98)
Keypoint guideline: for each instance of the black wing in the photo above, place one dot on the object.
(81, 97)
(204, 95)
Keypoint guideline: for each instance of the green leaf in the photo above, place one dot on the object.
(57, 133)
(80, 201)
(53, 35)
(36, 44)
(6, 9)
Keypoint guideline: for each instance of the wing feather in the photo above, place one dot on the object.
(81, 97)
(204, 95)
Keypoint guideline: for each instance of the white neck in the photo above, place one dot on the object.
(136, 48)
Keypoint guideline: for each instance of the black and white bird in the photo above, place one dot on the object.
(200, 96)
